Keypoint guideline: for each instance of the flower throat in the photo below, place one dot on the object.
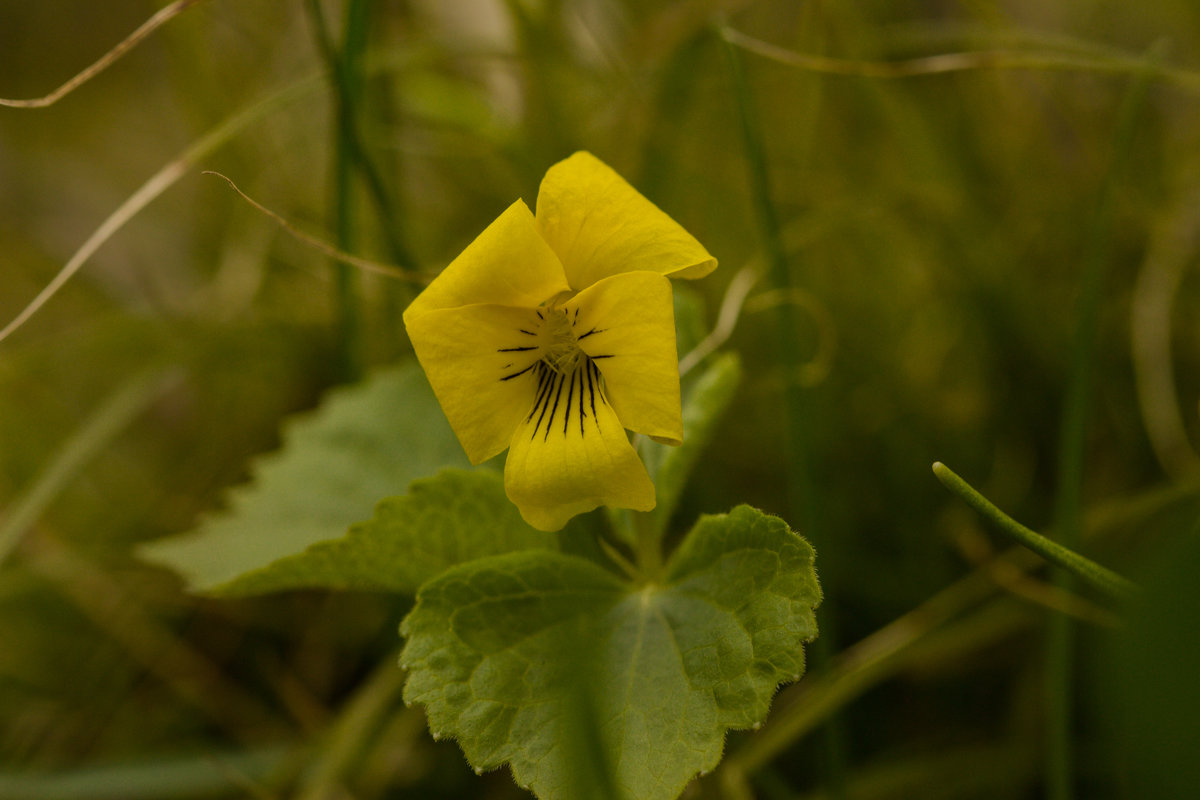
(559, 345)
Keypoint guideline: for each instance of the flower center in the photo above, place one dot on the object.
(560, 348)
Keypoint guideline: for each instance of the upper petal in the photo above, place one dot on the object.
(480, 362)
(599, 225)
(570, 454)
(508, 264)
(626, 325)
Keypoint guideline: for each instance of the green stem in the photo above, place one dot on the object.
(1076, 405)
(203, 774)
(349, 72)
(933, 632)
(346, 79)
(112, 416)
(649, 546)
(1097, 576)
(938, 631)
(802, 497)
(347, 76)
(356, 731)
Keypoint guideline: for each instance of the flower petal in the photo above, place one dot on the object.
(599, 225)
(480, 360)
(508, 264)
(626, 325)
(570, 453)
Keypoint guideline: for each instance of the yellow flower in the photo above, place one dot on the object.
(550, 335)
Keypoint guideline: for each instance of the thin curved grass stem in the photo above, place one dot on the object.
(322, 246)
(960, 62)
(161, 17)
(158, 183)
(727, 319)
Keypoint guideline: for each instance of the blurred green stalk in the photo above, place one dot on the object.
(802, 497)
(346, 75)
(1076, 404)
(113, 415)
(201, 775)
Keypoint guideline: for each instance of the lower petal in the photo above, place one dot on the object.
(571, 454)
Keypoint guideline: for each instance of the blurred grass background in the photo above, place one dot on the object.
(935, 228)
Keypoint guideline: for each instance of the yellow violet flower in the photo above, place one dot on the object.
(550, 335)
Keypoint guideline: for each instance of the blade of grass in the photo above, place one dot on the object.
(1076, 402)
(111, 417)
(115, 608)
(1097, 576)
(346, 78)
(348, 72)
(965, 61)
(109, 604)
(355, 731)
(802, 497)
(933, 632)
(936, 629)
(202, 775)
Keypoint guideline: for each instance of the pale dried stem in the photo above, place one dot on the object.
(958, 62)
(108, 59)
(727, 318)
(1172, 248)
(151, 189)
(322, 246)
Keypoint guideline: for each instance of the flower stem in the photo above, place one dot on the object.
(1076, 402)
(802, 497)
(1097, 576)
(649, 546)
(346, 78)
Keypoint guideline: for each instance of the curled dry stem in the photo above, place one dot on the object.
(974, 60)
(322, 246)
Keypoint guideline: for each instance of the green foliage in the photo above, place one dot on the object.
(1150, 669)
(455, 517)
(364, 443)
(704, 401)
(936, 227)
(502, 650)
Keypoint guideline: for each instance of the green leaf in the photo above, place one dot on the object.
(457, 516)
(704, 401)
(365, 442)
(1147, 670)
(690, 325)
(549, 663)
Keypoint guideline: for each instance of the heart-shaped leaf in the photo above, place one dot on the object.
(590, 686)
